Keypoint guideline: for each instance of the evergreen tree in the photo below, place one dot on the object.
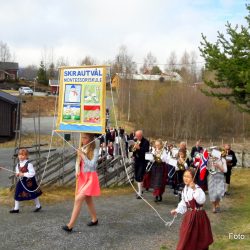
(41, 74)
(156, 70)
(229, 60)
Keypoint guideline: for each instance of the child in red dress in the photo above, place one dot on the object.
(195, 231)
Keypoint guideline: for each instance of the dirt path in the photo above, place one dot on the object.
(125, 223)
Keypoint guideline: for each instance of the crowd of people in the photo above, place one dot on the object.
(190, 175)
(156, 165)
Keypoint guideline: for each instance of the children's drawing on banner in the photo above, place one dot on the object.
(71, 113)
(92, 94)
(92, 114)
(72, 93)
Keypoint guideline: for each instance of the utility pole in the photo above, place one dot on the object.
(129, 100)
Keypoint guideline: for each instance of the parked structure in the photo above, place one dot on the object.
(9, 115)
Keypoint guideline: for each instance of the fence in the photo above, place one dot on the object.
(60, 170)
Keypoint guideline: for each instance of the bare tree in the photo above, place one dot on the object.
(148, 64)
(123, 63)
(29, 72)
(4, 52)
(171, 62)
(185, 67)
(61, 61)
(193, 67)
(88, 60)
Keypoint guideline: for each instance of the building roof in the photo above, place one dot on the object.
(9, 98)
(9, 65)
(53, 82)
(169, 76)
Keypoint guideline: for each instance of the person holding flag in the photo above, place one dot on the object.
(200, 162)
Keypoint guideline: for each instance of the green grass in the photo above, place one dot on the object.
(59, 194)
(235, 217)
(10, 91)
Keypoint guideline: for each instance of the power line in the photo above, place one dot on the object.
(174, 64)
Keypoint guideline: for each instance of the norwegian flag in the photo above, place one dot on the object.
(203, 164)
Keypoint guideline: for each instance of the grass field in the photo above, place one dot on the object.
(235, 218)
(29, 139)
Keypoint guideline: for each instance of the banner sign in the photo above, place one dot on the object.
(82, 99)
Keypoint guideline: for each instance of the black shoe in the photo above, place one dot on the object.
(91, 223)
(67, 229)
(138, 197)
(227, 193)
(13, 211)
(160, 198)
(175, 192)
(156, 199)
(37, 209)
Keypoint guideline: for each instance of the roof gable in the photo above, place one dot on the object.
(8, 65)
(9, 98)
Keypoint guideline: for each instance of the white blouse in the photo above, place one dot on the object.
(31, 171)
(187, 195)
(164, 155)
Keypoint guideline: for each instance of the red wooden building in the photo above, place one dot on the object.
(8, 70)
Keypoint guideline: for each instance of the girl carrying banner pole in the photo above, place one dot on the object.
(87, 181)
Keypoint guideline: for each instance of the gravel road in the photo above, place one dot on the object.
(125, 223)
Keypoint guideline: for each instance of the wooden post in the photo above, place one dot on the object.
(39, 149)
(243, 158)
(36, 146)
(17, 135)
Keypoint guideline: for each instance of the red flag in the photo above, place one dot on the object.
(203, 164)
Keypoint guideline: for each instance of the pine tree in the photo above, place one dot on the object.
(41, 74)
(229, 60)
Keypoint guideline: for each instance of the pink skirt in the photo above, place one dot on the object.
(88, 184)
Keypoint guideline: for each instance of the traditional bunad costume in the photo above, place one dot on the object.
(195, 231)
(26, 187)
(159, 173)
(216, 181)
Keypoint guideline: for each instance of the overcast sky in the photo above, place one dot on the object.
(74, 29)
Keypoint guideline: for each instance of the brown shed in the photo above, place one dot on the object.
(8, 70)
(9, 115)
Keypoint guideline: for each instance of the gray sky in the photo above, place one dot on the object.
(74, 29)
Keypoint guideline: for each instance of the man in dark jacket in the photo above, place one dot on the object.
(231, 162)
(140, 148)
(196, 149)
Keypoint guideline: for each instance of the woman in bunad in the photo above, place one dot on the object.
(147, 175)
(183, 163)
(159, 170)
(217, 166)
(195, 231)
